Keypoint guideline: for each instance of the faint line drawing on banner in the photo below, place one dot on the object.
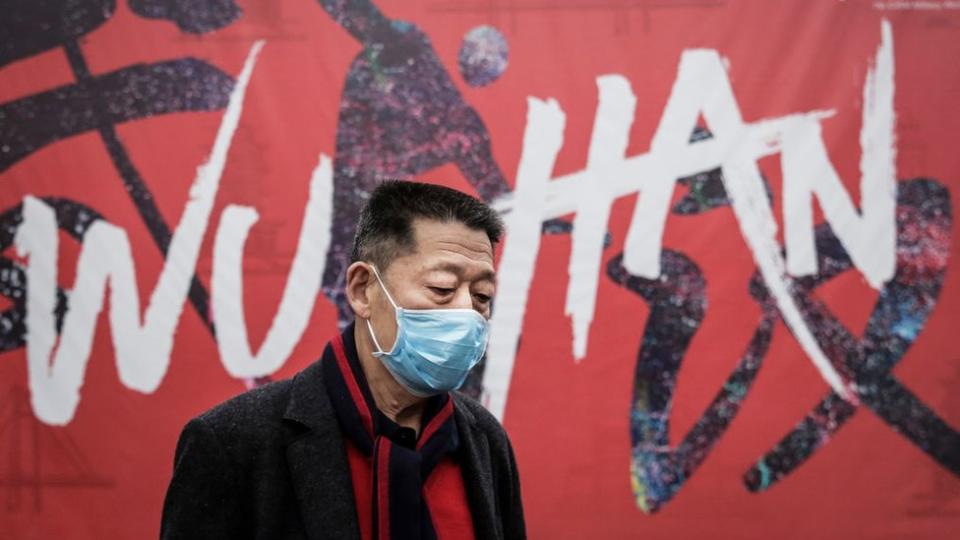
(620, 11)
(25, 472)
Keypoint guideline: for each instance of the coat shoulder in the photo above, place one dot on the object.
(250, 408)
(253, 421)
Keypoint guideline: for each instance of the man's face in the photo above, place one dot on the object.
(451, 267)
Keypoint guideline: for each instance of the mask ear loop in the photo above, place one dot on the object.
(380, 351)
(384, 287)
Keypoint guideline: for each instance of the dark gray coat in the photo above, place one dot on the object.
(271, 463)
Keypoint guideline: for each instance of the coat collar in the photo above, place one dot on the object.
(320, 472)
(317, 460)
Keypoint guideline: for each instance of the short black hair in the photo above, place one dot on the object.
(385, 230)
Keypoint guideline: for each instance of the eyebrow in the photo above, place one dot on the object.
(489, 275)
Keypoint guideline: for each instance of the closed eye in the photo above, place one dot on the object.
(442, 291)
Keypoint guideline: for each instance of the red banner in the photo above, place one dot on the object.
(725, 299)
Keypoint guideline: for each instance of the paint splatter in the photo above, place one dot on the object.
(73, 218)
(678, 299)
(483, 56)
(400, 115)
(924, 220)
(678, 302)
(193, 16)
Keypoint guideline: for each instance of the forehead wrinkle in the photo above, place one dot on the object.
(479, 248)
(452, 256)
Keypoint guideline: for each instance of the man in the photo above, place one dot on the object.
(370, 441)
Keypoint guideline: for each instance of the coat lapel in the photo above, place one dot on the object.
(317, 460)
(477, 473)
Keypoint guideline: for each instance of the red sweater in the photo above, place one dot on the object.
(444, 493)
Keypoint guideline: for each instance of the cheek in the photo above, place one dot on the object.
(382, 311)
(482, 309)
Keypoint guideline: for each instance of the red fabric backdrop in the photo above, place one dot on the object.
(104, 472)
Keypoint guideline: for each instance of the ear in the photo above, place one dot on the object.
(359, 276)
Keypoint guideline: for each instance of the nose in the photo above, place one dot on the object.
(463, 298)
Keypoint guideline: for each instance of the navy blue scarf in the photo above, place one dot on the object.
(402, 462)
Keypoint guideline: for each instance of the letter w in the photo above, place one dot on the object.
(142, 352)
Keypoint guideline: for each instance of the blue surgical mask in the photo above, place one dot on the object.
(435, 348)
